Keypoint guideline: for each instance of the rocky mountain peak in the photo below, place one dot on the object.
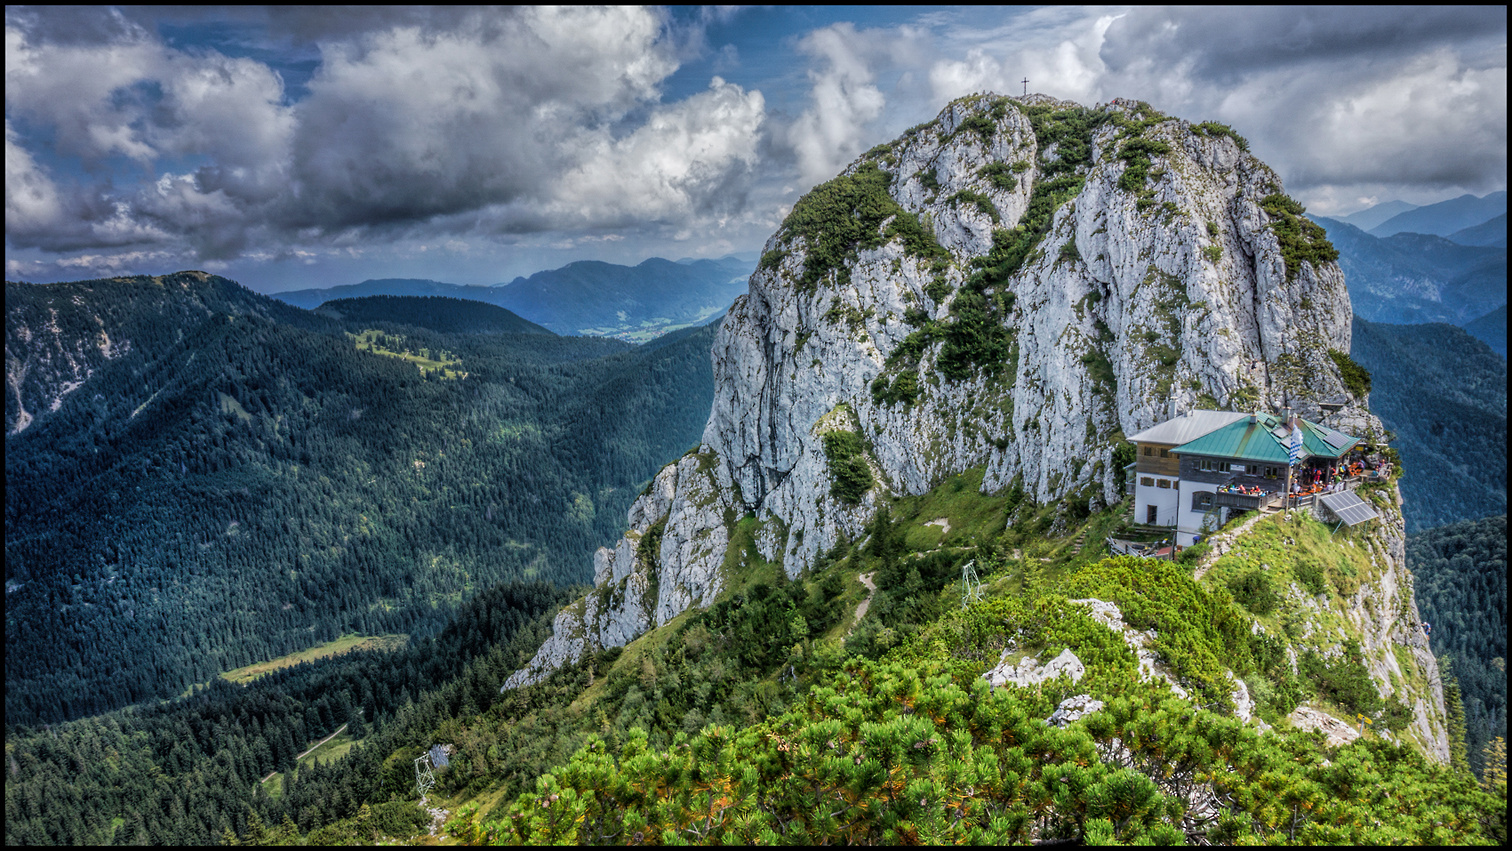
(1015, 285)
(1018, 284)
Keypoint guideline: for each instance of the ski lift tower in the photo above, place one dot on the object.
(971, 586)
(424, 779)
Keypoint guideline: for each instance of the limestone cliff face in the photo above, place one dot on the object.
(669, 561)
(1134, 303)
(1016, 285)
(1382, 614)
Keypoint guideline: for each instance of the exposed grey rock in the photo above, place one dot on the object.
(1029, 672)
(1244, 705)
(668, 561)
(1072, 709)
(785, 356)
(1335, 732)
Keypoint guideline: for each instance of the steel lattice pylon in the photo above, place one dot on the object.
(971, 586)
(424, 779)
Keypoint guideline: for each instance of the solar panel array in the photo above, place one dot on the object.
(1349, 508)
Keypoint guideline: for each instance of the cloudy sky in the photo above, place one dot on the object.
(309, 147)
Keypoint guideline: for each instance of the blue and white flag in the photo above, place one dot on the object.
(1294, 452)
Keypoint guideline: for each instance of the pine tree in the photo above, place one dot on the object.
(1495, 773)
(1456, 710)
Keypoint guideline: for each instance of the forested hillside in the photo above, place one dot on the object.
(1491, 329)
(1444, 394)
(236, 479)
(781, 715)
(636, 303)
(190, 772)
(1461, 576)
(435, 313)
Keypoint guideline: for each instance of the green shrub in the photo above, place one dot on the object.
(1255, 591)
(1003, 175)
(1198, 631)
(1310, 574)
(838, 218)
(1100, 370)
(1213, 253)
(1189, 555)
(977, 199)
(1343, 681)
(1302, 240)
(977, 339)
(905, 388)
(770, 259)
(397, 818)
(1068, 251)
(1213, 128)
(847, 466)
(981, 125)
(937, 290)
(1395, 715)
(1136, 154)
(1356, 377)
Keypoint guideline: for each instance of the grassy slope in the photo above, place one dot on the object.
(342, 645)
(1019, 561)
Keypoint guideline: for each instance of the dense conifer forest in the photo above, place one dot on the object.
(244, 481)
(188, 771)
(1460, 572)
(1443, 394)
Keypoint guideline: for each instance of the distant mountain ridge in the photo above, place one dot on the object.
(593, 297)
(1491, 232)
(1371, 216)
(438, 313)
(1491, 329)
(313, 298)
(1445, 217)
(1415, 277)
(588, 297)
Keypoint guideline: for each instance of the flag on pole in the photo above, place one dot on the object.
(1294, 452)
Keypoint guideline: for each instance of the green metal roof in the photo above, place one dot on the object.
(1265, 439)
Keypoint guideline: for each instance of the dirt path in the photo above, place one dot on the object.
(438, 817)
(871, 591)
(1219, 544)
(311, 750)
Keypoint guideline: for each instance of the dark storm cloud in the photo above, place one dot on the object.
(1335, 99)
(452, 120)
(1224, 43)
(227, 132)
